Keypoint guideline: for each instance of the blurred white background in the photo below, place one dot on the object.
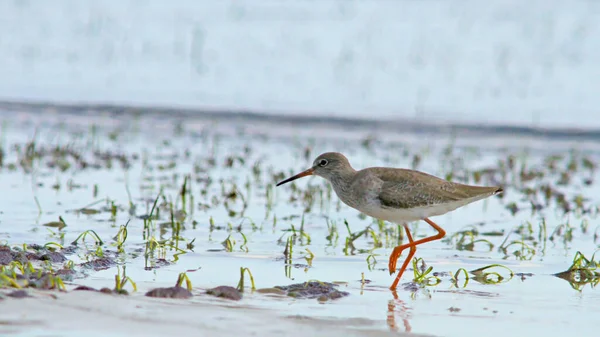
(531, 63)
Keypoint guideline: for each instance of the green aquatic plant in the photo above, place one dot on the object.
(332, 233)
(289, 248)
(482, 275)
(184, 191)
(524, 251)
(88, 210)
(583, 271)
(121, 237)
(349, 247)
(228, 243)
(467, 240)
(55, 282)
(122, 280)
(269, 201)
(90, 232)
(288, 255)
(376, 239)
(52, 245)
(310, 257)
(564, 231)
(454, 277)
(303, 233)
(244, 245)
(230, 197)
(371, 261)
(423, 276)
(525, 247)
(59, 235)
(240, 285)
(181, 278)
(60, 224)
(19, 275)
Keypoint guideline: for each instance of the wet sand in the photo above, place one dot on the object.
(84, 313)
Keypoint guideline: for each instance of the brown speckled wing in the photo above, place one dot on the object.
(403, 188)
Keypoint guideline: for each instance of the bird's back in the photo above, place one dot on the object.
(405, 188)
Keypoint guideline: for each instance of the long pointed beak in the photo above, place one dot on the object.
(308, 172)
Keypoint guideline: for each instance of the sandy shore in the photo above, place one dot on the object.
(84, 313)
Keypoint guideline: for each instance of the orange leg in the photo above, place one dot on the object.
(412, 245)
(411, 253)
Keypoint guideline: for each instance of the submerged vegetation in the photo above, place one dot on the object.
(106, 197)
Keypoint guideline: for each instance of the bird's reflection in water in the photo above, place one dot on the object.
(397, 307)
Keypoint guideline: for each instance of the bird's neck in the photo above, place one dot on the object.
(342, 183)
(343, 177)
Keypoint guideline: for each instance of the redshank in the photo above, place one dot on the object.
(395, 195)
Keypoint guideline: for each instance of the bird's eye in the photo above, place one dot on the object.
(323, 162)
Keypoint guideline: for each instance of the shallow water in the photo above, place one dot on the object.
(260, 155)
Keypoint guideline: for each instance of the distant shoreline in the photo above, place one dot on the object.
(300, 118)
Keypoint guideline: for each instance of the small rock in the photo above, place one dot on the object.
(121, 292)
(54, 257)
(19, 256)
(32, 256)
(225, 292)
(18, 294)
(172, 292)
(69, 249)
(85, 288)
(65, 273)
(35, 246)
(5, 257)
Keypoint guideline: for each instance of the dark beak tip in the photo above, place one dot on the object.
(299, 175)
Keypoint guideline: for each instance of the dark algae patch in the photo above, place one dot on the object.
(30, 254)
(322, 291)
(33, 266)
(100, 263)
